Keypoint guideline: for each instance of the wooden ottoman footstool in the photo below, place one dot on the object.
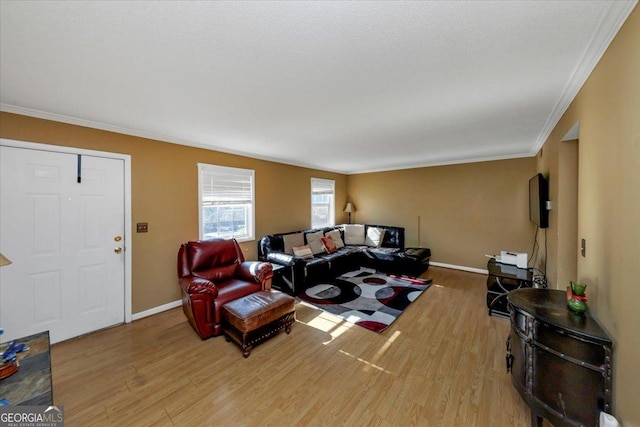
(252, 319)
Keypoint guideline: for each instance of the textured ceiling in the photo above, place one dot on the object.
(339, 86)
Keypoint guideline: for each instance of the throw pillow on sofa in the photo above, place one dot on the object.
(337, 239)
(314, 242)
(329, 244)
(303, 251)
(374, 237)
(354, 234)
(291, 240)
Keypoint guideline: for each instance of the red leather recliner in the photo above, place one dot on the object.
(213, 272)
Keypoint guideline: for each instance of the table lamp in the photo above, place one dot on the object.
(349, 209)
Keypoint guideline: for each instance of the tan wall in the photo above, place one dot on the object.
(466, 211)
(608, 215)
(165, 194)
(567, 213)
(559, 164)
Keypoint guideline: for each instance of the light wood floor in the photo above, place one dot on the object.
(442, 363)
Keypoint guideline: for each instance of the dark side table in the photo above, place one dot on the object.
(32, 384)
(504, 278)
(278, 281)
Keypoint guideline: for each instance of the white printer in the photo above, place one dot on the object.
(519, 259)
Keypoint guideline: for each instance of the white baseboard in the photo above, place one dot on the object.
(460, 267)
(156, 310)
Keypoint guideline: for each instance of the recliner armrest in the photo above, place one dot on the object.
(283, 258)
(198, 285)
(255, 271)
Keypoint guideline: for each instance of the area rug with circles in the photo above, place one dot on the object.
(365, 297)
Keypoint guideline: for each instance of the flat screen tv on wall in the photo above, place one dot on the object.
(538, 196)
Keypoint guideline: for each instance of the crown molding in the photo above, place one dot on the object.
(173, 140)
(8, 108)
(442, 162)
(609, 24)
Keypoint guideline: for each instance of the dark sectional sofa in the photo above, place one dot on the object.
(293, 274)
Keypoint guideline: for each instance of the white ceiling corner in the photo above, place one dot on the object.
(348, 87)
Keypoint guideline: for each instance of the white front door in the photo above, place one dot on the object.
(61, 224)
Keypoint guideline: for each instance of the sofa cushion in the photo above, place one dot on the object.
(337, 238)
(317, 269)
(329, 244)
(354, 234)
(291, 240)
(374, 236)
(315, 243)
(303, 251)
(393, 236)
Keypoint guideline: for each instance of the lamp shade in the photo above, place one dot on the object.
(349, 208)
(4, 261)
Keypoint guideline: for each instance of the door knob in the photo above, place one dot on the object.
(117, 250)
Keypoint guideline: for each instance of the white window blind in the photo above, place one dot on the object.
(322, 202)
(226, 197)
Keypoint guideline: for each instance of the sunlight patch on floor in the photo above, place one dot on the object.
(327, 322)
(367, 363)
(387, 344)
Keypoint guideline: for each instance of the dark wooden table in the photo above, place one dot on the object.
(32, 384)
(560, 361)
(503, 279)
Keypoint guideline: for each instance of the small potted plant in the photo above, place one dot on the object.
(578, 299)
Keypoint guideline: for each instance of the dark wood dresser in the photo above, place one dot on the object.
(560, 362)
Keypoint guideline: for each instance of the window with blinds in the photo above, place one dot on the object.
(322, 202)
(227, 207)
